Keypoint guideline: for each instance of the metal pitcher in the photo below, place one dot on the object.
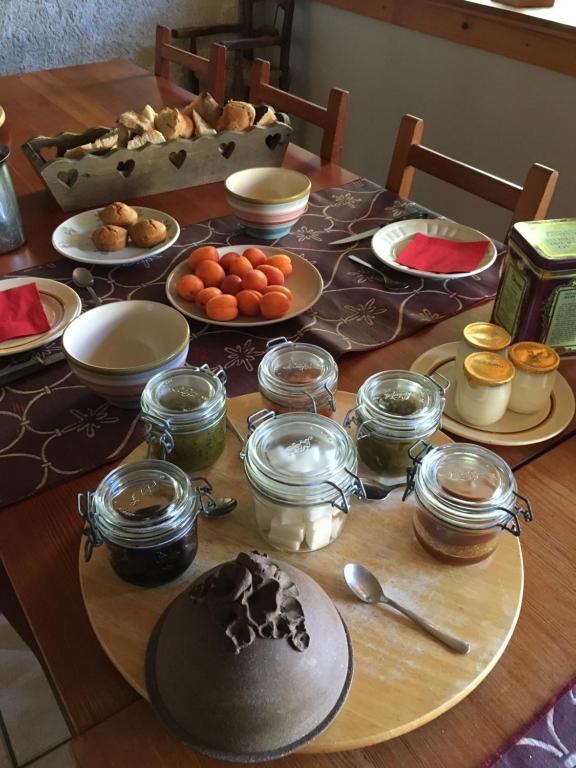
(11, 230)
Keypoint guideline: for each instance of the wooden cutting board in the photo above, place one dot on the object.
(403, 678)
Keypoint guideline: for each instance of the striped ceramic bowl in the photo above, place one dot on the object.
(116, 348)
(268, 201)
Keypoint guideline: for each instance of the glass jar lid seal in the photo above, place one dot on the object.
(466, 485)
(405, 402)
(290, 368)
(186, 397)
(533, 357)
(144, 504)
(296, 453)
(487, 369)
(487, 336)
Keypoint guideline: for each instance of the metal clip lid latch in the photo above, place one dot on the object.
(157, 432)
(417, 451)
(85, 508)
(277, 341)
(203, 489)
(259, 417)
(512, 525)
(443, 384)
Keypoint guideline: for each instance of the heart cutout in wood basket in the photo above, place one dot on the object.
(227, 148)
(177, 158)
(273, 140)
(126, 168)
(68, 178)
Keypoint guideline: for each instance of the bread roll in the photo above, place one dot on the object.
(201, 127)
(110, 238)
(173, 124)
(150, 137)
(103, 144)
(206, 106)
(118, 214)
(265, 115)
(236, 116)
(148, 232)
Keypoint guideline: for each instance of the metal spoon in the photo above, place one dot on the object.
(83, 278)
(219, 507)
(378, 491)
(393, 285)
(366, 587)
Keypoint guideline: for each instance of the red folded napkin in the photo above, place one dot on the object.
(436, 254)
(21, 312)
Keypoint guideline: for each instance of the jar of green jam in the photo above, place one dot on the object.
(184, 411)
(395, 409)
(294, 376)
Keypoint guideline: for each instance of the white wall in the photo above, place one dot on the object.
(489, 111)
(43, 34)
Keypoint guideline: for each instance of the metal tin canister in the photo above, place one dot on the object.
(536, 298)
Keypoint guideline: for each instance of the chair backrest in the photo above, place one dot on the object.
(527, 203)
(213, 70)
(332, 119)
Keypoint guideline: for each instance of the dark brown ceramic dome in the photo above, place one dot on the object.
(251, 662)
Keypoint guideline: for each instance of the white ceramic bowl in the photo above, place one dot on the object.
(268, 201)
(116, 348)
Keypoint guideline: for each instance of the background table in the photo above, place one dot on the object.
(39, 537)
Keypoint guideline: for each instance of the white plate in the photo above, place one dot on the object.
(305, 282)
(61, 305)
(389, 242)
(73, 238)
(513, 428)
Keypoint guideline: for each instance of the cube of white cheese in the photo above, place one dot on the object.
(337, 524)
(264, 515)
(318, 512)
(290, 515)
(318, 533)
(289, 536)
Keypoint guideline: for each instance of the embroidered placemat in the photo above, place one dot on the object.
(52, 427)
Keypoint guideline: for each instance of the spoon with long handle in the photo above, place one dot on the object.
(366, 587)
(83, 278)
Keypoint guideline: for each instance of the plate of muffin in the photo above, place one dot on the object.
(116, 234)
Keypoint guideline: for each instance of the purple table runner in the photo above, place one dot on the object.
(52, 428)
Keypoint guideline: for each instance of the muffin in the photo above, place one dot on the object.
(148, 232)
(119, 214)
(110, 238)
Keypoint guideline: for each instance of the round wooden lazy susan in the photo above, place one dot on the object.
(402, 678)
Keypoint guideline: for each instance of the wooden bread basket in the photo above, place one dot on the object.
(121, 174)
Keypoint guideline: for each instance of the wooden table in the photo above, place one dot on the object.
(39, 537)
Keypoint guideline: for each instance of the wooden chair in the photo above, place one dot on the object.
(332, 119)
(213, 70)
(250, 38)
(526, 203)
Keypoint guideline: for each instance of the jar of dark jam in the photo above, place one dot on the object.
(184, 411)
(294, 376)
(395, 409)
(465, 497)
(145, 513)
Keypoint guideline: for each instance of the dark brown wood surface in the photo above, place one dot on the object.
(40, 537)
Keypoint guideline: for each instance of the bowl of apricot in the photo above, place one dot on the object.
(243, 285)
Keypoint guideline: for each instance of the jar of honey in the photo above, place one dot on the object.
(294, 376)
(465, 497)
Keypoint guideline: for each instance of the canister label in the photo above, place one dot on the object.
(561, 313)
(510, 301)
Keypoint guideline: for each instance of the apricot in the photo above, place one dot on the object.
(239, 266)
(204, 296)
(274, 275)
(222, 308)
(188, 286)
(273, 305)
(227, 259)
(210, 272)
(249, 303)
(254, 280)
(281, 261)
(278, 289)
(204, 253)
(255, 256)
(231, 284)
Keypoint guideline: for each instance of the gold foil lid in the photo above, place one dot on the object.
(488, 369)
(534, 357)
(486, 336)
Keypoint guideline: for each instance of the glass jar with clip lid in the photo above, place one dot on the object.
(146, 514)
(294, 376)
(301, 468)
(184, 411)
(465, 497)
(393, 410)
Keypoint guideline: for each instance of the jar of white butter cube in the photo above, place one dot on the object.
(301, 468)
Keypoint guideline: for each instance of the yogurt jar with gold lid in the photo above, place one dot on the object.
(483, 389)
(535, 366)
(482, 337)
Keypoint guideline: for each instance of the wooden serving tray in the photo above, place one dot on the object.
(403, 678)
(120, 174)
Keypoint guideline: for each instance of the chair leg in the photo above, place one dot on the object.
(400, 173)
